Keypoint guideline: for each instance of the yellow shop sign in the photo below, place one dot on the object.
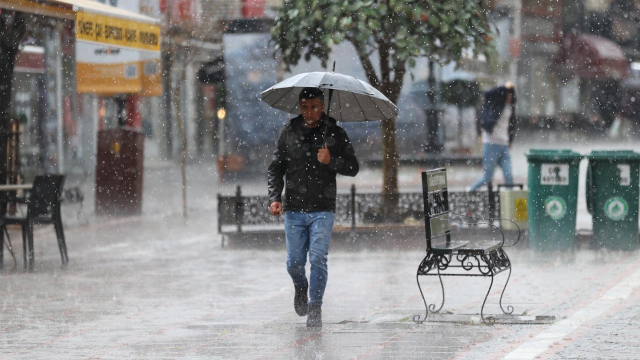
(117, 31)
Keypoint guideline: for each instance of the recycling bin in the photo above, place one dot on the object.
(119, 172)
(553, 199)
(612, 198)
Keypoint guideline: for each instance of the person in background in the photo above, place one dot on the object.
(497, 123)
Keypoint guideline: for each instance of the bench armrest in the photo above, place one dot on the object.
(480, 222)
(490, 223)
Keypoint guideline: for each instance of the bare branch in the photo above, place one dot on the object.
(400, 67)
(369, 71)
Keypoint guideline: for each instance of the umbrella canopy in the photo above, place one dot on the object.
(352, 99)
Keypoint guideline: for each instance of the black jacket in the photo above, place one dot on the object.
(494, 102)
(311, 185)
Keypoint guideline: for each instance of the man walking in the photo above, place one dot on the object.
(497, 121)
(311, 150)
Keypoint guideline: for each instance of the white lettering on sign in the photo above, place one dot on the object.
(554, 174)
(624, 171)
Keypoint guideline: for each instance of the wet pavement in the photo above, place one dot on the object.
(160, 287)
(157, 286)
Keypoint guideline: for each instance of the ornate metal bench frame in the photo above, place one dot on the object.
(456, 258)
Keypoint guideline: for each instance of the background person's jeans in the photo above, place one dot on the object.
(492, 155)
(308, 232)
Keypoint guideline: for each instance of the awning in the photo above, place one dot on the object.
(95, 7)
(66, 9)
(51, 9)
(30, 59)
(593, 57)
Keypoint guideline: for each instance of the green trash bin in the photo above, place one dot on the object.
(553, 199)
(612, 198)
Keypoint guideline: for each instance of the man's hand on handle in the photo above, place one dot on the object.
(276, 208)
(323, 155)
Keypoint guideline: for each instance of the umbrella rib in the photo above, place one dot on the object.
(285, 94)
(385, 103)
(376, 106)
(363, 113)
(293, 107)
(390, 108)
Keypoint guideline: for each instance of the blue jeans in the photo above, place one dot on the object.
(492, 155)
(308, 233)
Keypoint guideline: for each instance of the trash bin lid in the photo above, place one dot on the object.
(609, 155)
(549, 154)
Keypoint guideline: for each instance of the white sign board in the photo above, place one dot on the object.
(624, 170)
(554, 174)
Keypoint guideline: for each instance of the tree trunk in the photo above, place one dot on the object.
(12, 29)
(390, 192)
(391, 89)
(7, 61)
(390, 195)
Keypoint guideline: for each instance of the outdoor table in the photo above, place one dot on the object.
(15, 187)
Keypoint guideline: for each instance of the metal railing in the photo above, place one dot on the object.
(238, 213)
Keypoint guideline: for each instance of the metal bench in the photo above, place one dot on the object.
(447, 257)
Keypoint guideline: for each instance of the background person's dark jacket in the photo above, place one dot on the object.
(494, 101)
(309, 188)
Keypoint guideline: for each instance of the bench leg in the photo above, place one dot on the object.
(489, 320)
(432, 307)
(509, 310)
(416, 318)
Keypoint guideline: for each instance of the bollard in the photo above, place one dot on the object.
(219, 213)
(239, 209)
(353, 207)
(492, 201)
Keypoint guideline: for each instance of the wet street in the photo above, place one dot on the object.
(162, 136)
(156, 286)
(160, 287)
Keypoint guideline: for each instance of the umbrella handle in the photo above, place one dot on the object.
(328, 111)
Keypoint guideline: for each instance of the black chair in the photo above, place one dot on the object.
(43, 207)
(6, 242)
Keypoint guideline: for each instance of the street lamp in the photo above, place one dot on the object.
(222, 113)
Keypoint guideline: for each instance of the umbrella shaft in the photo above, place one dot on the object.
(328, 112)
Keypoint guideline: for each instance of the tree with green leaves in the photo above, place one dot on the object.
(397, 32)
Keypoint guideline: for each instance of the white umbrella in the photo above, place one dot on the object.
(350, 99)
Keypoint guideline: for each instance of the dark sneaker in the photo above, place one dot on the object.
(314, 317)
(300, 300)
